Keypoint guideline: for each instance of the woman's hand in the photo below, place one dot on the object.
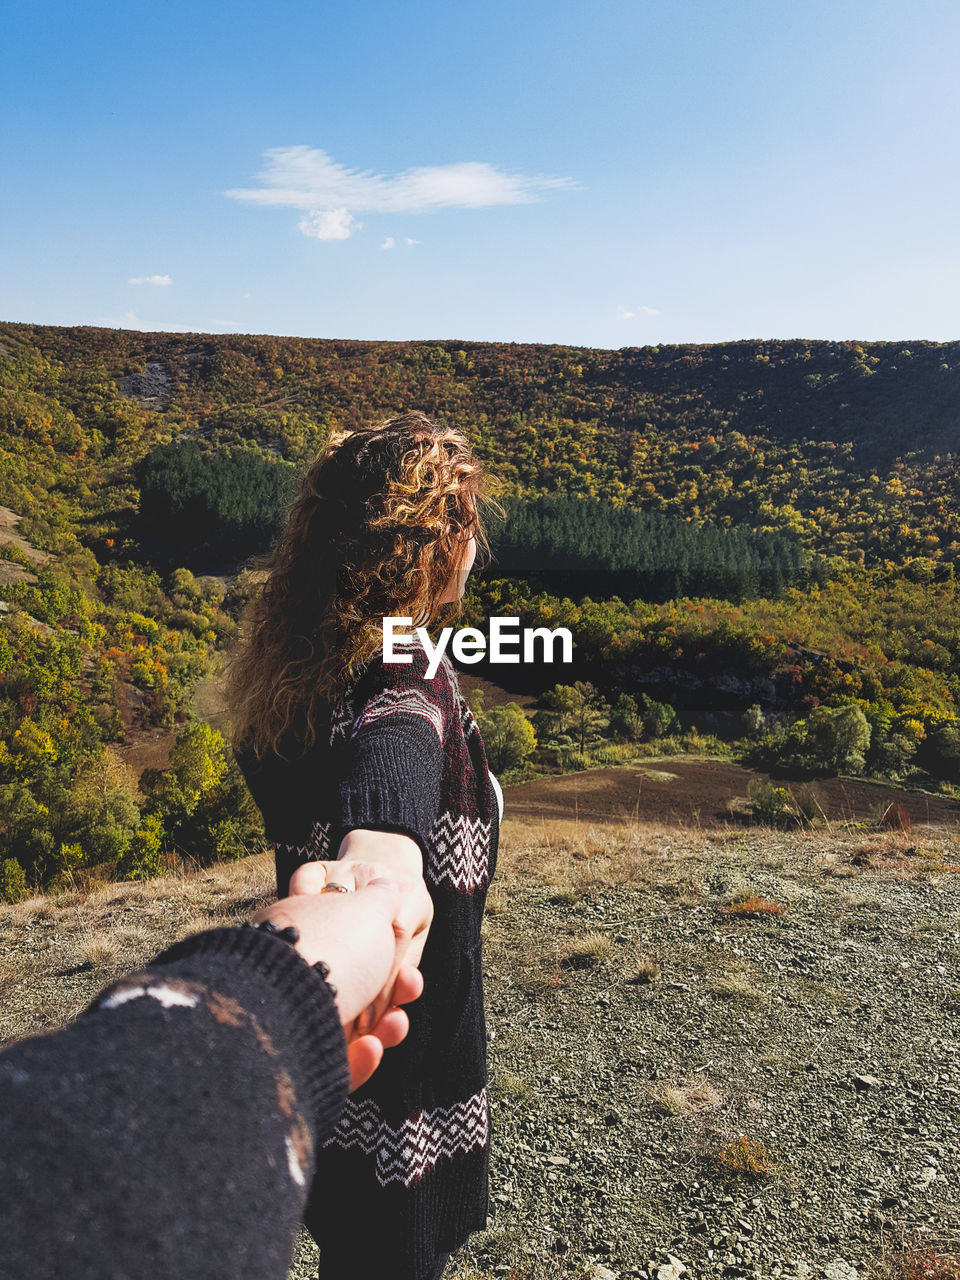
(355, 935)
(367, 856)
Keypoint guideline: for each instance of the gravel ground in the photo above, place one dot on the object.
(827, 1034)
(637, 1029)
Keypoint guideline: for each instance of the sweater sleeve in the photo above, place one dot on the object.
(170, 1131)
(394, 774)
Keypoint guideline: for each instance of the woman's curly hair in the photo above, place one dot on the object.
(378, 529)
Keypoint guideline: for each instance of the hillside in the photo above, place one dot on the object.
(645, 1039)
(846, 443)
(754, 546)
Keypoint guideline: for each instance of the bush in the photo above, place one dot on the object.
(13, 881)
(143, 859)
(745, 1158)
(838, 737)
(770, 804)
(615, 753)
(508, 736)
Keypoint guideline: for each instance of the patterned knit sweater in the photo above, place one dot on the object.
(411, 1152)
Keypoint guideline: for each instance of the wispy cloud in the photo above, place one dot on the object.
(330, 193)
(636, 313)
(388, 243)
(408, 240)
(159, 280)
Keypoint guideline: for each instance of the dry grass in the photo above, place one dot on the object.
(734, 986)
(101, 951)
(646, 969)
(589, 951)
(693, 1099)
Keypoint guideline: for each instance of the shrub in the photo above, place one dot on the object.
(896, 817)
(756, 906)
(645, 970)
(770, 804)
(13, 881)
(143, 859)
(838, 737)
(508, 736)
(927, 1264)
(806, 804)
(744, 1158)
(576, 761)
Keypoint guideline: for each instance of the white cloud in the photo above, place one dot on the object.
(625, 313)
(409, 241)
(388, 243)
(307, 178)
(159, 280)
(329, 224)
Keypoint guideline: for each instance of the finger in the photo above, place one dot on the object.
(308, 878)
(408, 986)
(392, 1028)
(363, 1058)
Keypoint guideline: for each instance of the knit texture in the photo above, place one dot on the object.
(171, 1131)
(410, 1154)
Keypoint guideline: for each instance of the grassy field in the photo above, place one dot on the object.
(714, 1052)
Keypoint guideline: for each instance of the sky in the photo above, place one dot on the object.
(602, 173)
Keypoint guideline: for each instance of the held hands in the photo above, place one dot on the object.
(371, 938)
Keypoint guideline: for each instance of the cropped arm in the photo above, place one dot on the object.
(394, 776)
(170, 1131)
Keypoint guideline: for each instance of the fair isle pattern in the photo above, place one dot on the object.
(424, 1139)
(459, 852)
(315, 848)
(467, 722)
(341, 717)
(393, 701)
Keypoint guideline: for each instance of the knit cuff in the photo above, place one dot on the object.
(267, 975)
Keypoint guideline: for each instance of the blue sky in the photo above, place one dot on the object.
(604, 173)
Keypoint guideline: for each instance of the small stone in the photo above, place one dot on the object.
(863, 1083)
(840, 1270)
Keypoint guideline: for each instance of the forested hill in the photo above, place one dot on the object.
(887, 398)
(847, 445)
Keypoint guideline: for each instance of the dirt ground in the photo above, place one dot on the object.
(701, 793)
(9, 520)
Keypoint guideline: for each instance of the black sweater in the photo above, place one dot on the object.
(169, 1133)
(402, 752)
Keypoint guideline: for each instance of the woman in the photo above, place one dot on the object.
(360, 761)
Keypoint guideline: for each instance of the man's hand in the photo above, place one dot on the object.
(356, 935)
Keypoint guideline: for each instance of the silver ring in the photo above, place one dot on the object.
(332, 887)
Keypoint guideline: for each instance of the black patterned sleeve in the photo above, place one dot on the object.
(395, 767)
(170, 1131)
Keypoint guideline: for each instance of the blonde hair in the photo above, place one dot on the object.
(377, 529)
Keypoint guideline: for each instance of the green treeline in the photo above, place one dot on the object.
(587, 547)
(197, 504)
